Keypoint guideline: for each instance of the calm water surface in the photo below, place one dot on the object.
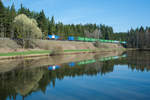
(124, 77)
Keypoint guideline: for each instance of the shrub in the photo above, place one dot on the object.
(100, 45)
(56, 51)
(97, 44)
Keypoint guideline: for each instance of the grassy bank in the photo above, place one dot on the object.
(40, 52)
(25, 53)
(47, 52)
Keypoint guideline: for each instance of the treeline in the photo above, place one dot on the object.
(136, 38)
(48, 25)
(139, 38)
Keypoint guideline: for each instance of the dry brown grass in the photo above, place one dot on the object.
(8, 45)
(107, 45)
(66, 45)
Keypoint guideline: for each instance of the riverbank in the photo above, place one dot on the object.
(36, 53)
(137, 49)
(9, 49)
(11, 64)
(39, 53)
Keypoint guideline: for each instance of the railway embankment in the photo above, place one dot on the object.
(10, 49)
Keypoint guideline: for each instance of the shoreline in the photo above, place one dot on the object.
(29, 62)
(40, 53)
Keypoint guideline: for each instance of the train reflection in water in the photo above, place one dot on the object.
(54, 67)
(72, 64)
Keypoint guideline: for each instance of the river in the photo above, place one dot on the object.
(108, 76)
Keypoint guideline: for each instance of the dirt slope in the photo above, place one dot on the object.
(66, 45)
(7, 45)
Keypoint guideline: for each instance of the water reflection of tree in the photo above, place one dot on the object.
(139, 60)
(25, 81)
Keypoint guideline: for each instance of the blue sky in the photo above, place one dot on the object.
(120, 14)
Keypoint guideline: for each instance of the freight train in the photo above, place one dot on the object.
(85, 39)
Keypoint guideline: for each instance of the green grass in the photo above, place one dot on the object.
(25, 53)
(45, 52)
(38, 52)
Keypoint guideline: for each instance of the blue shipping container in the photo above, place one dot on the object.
(71, 38)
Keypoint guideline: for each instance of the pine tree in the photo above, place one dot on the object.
(43, 23)
(21, 10)
(11, 15)
(141, 37)
(52, 28)
(2, 19)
